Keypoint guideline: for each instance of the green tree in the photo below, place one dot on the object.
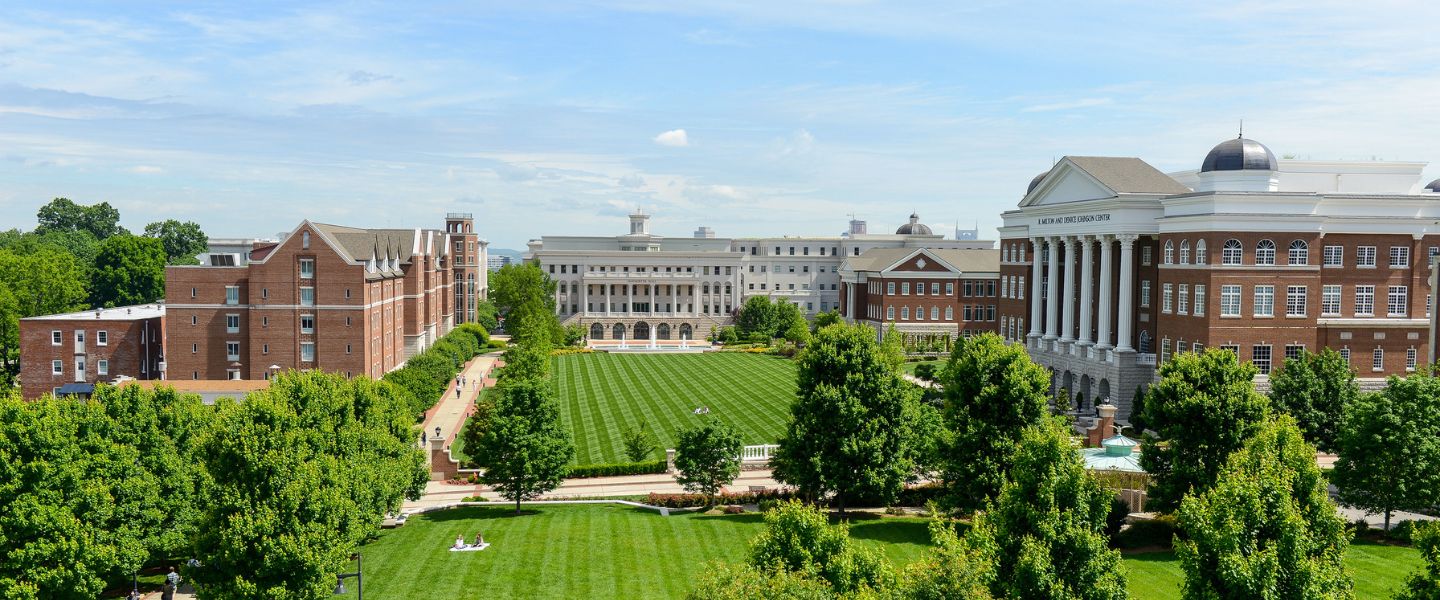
(45, 281)
(757, 317)
(851, 427)
(639, 443)
(992, 393)
(1425, 583)
(790, 323)
(477, 426)
(953, 568)
(1390, 448)
(182, 241)
(1315, 389)
(128, 270)
(720, 581)
(486, 315)
(1204, 407)
(799, 539)
(525, 451)
(525, 297)
(1266, 528)
(707, 457)
(827, 318)
(1045, 531)
(77, 508)
(61, 214)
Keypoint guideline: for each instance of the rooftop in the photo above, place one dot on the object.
(119, 313)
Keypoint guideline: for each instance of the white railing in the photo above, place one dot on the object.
(757, 453)
(1145, 359)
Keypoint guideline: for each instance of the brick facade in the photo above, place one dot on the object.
(923, 292)
(94, 346)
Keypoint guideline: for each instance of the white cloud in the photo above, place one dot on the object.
(675, 138)
(146, 170)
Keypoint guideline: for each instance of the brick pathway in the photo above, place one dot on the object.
(450, 412)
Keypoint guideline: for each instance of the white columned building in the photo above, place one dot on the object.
(1263, 257)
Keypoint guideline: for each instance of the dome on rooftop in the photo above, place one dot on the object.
(914, 227)
(1433, 186)
(1036, 182)
(1239, 154)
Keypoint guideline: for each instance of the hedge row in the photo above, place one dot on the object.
(426, 375)
(611, 470)
(689, 500)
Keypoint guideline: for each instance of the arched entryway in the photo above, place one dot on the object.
(642, 331)
(618, 332)
(597, 331)
(686, 333)
(1104, 392)
(1082, 393)
(1145, 342)
(1067, 390)
(662, 331)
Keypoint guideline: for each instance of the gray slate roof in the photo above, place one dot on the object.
(1128, 175)
(875, 259)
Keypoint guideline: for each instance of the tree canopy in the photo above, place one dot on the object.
(1425, 583)
(851, 431)
(128, 270)
(42, 282)
(182, 241)
(1315, 389)
(1267, 528)
(525, 449)
(799, 539)
(707, 457)
(992, 393)
(525, 297)
(1204, 407)
(1389, 447)
(62, 214)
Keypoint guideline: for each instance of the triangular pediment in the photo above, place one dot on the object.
(921, 261)
(1064, 184)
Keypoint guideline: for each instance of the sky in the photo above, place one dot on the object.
(751, 117)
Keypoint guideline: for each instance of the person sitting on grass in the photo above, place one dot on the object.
(479, 539)
(459, 542)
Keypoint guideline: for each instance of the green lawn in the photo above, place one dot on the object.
(1378, 570)
(592, 551)
(909, 367)
(601, 394)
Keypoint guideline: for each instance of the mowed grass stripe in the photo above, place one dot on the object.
(601, 395)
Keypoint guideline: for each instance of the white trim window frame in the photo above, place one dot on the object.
(1263, 300)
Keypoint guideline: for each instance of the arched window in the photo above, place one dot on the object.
(1299, 253)
(1265, 253)
(1169, 252)
(1185, 252)
(597, 331)
(662, 331)
(685, 333)
(1200, 257)
(1230, 254)
(618, 331)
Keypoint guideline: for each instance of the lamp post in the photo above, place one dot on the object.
(359, 581)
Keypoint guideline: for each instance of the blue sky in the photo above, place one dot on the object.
(559, 117)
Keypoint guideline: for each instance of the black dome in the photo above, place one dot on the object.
(1035, 182)
(1433, 186)
(914, 227)
(1239, 154)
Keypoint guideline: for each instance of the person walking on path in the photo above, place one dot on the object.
(172, 583)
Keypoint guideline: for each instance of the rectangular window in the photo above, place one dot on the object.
(1264, 300)
(307, 323)
(1146, 255)
(1399, 301)
(905, 289)
(57, 367)
(889, 313)
(264, 348)
(1145, 293)
(1229, 300)
(1364, 300)
(1399, 257)
(990, 312)
(56, 338)
(1377, 360)
(1365, 257)
(990, 289)
(890, 288)
(307, 296)
(934, 313)
(1329, 300)
(1167, 293)
(232, 351)
(307, 351)
(1294, 351)
(1295, 298)
(1199, 299)
(1334, 256)
(232, 294)
(1260, 357)
(949, 313)
(969, 288)
(1182, 299)
(904, 313)
(102, 338)
(1410, 359)
(194, 320)
(307, 268)
(1345, 354)
(1021, 289)
(1165, 350)
(232, 323)
(347, 348)
(935, 289)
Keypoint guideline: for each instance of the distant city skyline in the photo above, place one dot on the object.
(747, 117)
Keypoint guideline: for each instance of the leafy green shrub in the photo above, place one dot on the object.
(1157, 532)
(925, 371)
(768, 505)
(920, 495)
(616, 469)
(1119, 511)
(1361, 526)
(689, 500)
(1401, 531)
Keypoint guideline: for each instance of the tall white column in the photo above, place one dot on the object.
(674, 301)
(1106, 296)
(585, 296)
(1037, 276)
(607, 299)
(1087, 288)
(1067, 311)
(1052, 292)
(850, 300)
(629, 298)
(652, 299)
(1127, 293)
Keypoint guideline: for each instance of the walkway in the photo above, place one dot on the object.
(440, 493)
(449, 413)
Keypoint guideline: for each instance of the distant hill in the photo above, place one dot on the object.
(513, 254)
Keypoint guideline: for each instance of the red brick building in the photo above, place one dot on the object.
(342, 299)
(84, 348)
(925, 292)
(1124, 266)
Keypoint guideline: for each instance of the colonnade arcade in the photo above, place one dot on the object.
(647, 299)
(641, 330)
(1056, 297)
